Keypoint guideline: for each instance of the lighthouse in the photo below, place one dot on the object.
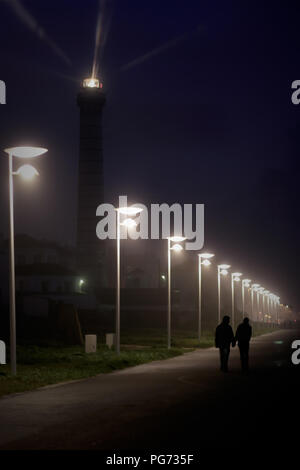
(90, 250)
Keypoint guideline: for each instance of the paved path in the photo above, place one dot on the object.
(183, 402)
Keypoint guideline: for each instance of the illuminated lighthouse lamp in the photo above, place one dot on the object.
(92, 83)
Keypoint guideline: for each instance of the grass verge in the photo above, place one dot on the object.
(39, 366)
(50, 364)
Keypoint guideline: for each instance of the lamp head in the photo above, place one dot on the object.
(27, 172)
(206, 255)
(26, 152)
(129, 223)
(129, 210)
(224, 272)
(177, 239)
(255, 286)
(206, 262)
(177, 247)
(224, 266)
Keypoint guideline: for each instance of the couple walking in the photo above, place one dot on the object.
(225, 337)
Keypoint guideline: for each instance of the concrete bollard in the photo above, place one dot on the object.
(90, 343)
(110, 340)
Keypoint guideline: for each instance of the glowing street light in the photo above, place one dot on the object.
(128, 222)
(245, 283)
(205, 257)
(177, 248)
(235, 277)
(222, 269)
(27, 172)
(81, 284)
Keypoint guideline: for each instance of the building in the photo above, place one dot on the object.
(90, 250)
(45, 271)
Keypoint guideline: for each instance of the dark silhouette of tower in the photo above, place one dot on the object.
(90, 250)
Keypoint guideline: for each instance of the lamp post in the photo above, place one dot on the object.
(27, 172)
(222, 269)
(257, 301)
(235, 277)
(176, 247)
(245, 283)
(254, 288)
(277, 309)
(205, 257)
(260, 290)
(128, 222)
(264, 295)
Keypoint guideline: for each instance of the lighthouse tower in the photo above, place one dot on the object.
(90, 250)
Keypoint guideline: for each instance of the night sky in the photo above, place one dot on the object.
(207, 120)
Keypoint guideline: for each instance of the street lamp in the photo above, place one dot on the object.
(235, 277)
(205, 257)
(264, 294)
(254, 288)
(222, 269)
(128, 222)
(245, 283)
(277, 308)
(27, 172)
(260, 290)
(176, 247)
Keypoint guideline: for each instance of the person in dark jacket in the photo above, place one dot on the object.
(223, 339)
(243, 336)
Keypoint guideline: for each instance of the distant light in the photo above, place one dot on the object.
(81, 282)
(206, 255)
(177, 247)
(224, 272)
(206, 262)
(224, 266)
(26, 152)
(92, 83)
(163, 277)
(236, 278)
(237, 274)
(27, 172)
(255, 286)
(177, 239)
(129, 210)
(129, 223)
